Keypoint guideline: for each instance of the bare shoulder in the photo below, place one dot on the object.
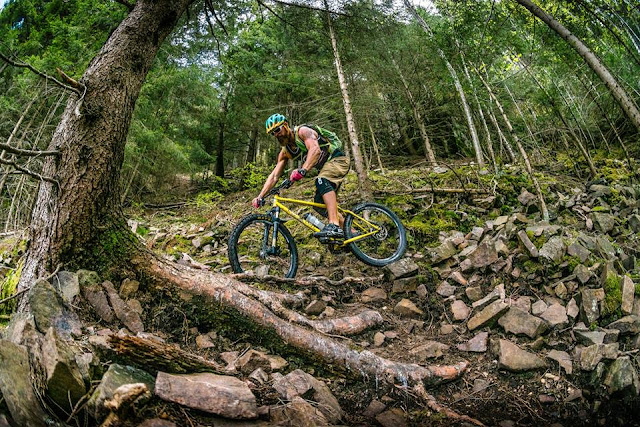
(305, 132)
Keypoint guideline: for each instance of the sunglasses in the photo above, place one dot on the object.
(275, 130)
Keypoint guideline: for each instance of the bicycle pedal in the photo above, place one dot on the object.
(331, 240)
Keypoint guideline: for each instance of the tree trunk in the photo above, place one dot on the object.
(618, 92)
(363, 180)
(523, 153)
(375, 145)
(463, 99)
(85, 205)
(431, 158)
(223, 120)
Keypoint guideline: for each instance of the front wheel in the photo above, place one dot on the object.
(387, 242)
(252, 249)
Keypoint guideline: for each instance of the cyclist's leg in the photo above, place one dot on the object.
(327, 184)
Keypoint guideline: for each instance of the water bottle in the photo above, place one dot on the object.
(313, 220)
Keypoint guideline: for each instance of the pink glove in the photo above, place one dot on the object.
(297, 175)
(257, 202)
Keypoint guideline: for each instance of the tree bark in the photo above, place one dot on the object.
(90, 137)
(375, 145)
(617, 91)
(363, 180)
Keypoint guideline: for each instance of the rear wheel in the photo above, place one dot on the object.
(389, 241)
(251, 248)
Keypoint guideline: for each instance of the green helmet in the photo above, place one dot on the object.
(274, 121)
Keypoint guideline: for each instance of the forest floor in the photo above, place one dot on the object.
(196, 233)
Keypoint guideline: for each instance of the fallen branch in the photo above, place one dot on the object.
(446, 190)
(160, 356)
(28, 153)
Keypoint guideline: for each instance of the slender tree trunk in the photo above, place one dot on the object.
(431, 158)
(523, 153)
(456, 81)
(363, 180)
(618, 92)
(503, 139)
(375, 145)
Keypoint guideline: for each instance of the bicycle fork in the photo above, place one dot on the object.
(266, 248)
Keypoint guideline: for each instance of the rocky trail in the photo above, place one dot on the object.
(541, 317)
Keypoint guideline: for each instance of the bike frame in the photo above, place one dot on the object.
(279, 205)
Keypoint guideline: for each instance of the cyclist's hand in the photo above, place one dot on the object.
(297, 175)
(257, 202)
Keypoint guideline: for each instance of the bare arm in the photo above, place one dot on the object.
(272, 179)
(310, 138)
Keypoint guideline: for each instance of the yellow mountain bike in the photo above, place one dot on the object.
(262, 242)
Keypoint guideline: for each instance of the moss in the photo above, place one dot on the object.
(572, 262)
(613, 297)
(637, 288)
(8, 287)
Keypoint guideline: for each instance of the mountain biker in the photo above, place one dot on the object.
(318, 148)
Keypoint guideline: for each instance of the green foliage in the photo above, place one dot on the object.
(208, 199)
(250, 176)
(8, 286)
(611, 306)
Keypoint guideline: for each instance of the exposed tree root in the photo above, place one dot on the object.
(304, 281)
(433, 404)
(227, 293)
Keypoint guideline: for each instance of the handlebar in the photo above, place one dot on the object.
(276, 190)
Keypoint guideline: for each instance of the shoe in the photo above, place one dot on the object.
(329, 231)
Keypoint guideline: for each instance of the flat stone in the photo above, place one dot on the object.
(628, 291)
(204, 342)
(553, 249)
(444, 289)
(16, 388)
(216, 394)
(48, 309)
(403, 268)
(374, 408)
(523, 303)
(526, 198)
(484, 255)
(590, 310)
(563, 358)
(592, 355)
(96, 297)
(252, 360)
(583, 274)
(315, 307)
(575, 249)
(477, 344)
(297, 383)
(474, 293)
(513, 358)
(408, 284)
(556, 316)
(497, 293)
(460, 310)
(67, 283)
(622, 377)
(603, 222)
(406, 308)
(378, 339)
(421, 291)
(628, 325)
(429, 350)
(588, 337)
(394, 417)
(457, 277)
(490, 313)
(128, 288)
(298, 412)
(538, 307)
(604, 246)
(443, 252)
(572, 308)
(373, 295)
(519, 322)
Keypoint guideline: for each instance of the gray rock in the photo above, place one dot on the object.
(592, 355)
(628, 325)
(408, 284)
(583, 274)
(599, 190)
(374, 408)
(628, 291)
(589, 304)
(577, 250)
(474, 293)
(563, 359)
(445, 289)
(204, 342)
(553, 249)
(526, 198)
(65, 385)
(116, 376)
(484, 255)
(476, 233)
(373, 295)
(477, 344)
(459, 310)
(252, 360)
(457, 277)
(315, 307)
(531, 248)
(394, 417)
(556, 316)
(490, 313)
(49, 310)
(298, 412)
(538, 307)
(67, 284)
(406, 308)
(634, 223)
(403, 268)
(443, 252)
(513, 358)
(588, 337)
(216, 394)
(572, 309)
(603, 222)
(15, 386)
(96, 297)
(429, 350)
(421, 291)
(622, 377)
(130, 318)
(604, 246)
(519, 322)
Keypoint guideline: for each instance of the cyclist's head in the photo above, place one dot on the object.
(274, 123)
